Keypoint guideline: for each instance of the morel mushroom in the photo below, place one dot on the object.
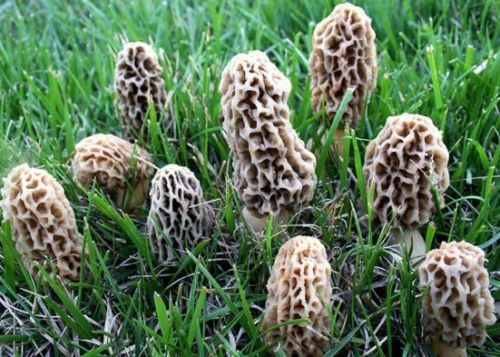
(343, 56)
(300, 287)
(179, 216)
(137, 81)
(403, 163)
(274, 174)
(119, 168)
(43, 222)
(459, 306)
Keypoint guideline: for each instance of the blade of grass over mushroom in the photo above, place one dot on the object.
(325, 149)
(358, 166)
(429, 236)
(345, 160)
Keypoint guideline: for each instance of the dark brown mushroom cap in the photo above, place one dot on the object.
(179, 216)
(137, 80)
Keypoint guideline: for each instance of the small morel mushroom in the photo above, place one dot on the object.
(137, 80)
(299, 287)
(179, 217)
(274, 174)
(403, 163)
(119, 168)
(43, 222)
(343, 56)
(459, 306)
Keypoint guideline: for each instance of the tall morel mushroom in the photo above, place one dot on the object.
(403, 163)
(119, 168)
(179, 216)
(273, 172)
(459, 306)
(43, 222)
(343, 56)
(137, 81)
(299, 287)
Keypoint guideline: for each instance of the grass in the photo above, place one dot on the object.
(437, 58)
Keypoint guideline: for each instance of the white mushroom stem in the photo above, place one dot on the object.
(258, 224)
(339, 142)
(441, 350)
(412, 240)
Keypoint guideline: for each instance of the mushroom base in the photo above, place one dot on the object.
(339, 142)
(337, 145)
(441, 350)
(258, 224)
(412, 240)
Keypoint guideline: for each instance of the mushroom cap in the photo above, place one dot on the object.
(299, 287)
(404, 161)
(179, 216)
(120, 168)
(273, 171)
(43, 222)
(459, 306)
(343, 56)
(137, 80)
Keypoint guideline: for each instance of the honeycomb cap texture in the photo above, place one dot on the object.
(179, 217)
(137, 80)
(459, 305)
(43, 222)
(343, 56)
(299, 287)
(404, 161)
(273, 171)
(119, 168)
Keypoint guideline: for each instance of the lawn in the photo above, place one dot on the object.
(57, 59)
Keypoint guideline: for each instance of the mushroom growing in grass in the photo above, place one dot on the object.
(299, 287)
(119, 168)
(458, 306)
(179, 216)
(403, 164)
(43, 222)
(274, 174)
(137, 81)
(343, 56)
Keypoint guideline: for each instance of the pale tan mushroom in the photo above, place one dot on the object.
(403, 163)
(343, 56)
(274, 174)
(119, 168)
(179, 216)
(43, 222)
(459, 306)
(300, 286)
(137, 81)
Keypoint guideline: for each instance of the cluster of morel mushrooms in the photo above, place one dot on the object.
(274, 175)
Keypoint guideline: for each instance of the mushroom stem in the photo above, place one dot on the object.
(258, 224)
(412, 240)
(339, 142)
(441, 350)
